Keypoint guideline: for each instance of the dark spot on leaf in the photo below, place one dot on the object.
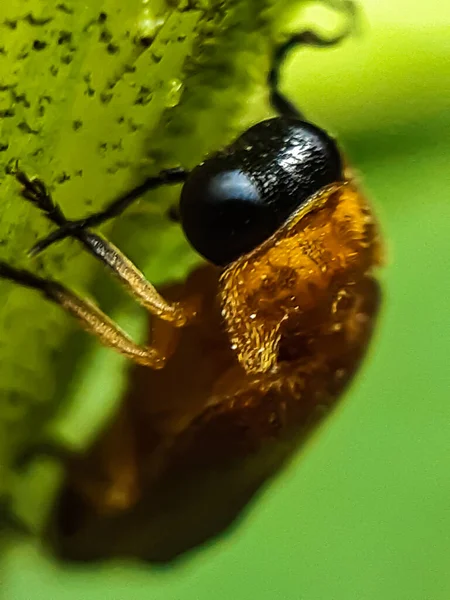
(22, 54)
(112, 48)
(121, 119)
(105, 97)
(64, 8)
(10, 23)
(26, 128)
(39, 45)
(2, 50)
(145, 40)
(132, 126)
(78, 173)
(105, 36)
(36, 21)
(43, 100)
(11, 166)
(65, 37)
(66, 59)
(129, 68)
(62, 177)
(3, 147)
(54, 70)
(7, 86)
(38, 152)
(7, 112)
(102, 17)
(89, 91)
(77, 124)
(20, 99)
(144, 96)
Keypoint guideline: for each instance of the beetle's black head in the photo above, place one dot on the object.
(239, 197)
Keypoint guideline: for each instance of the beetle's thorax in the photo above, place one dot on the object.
(286, 290)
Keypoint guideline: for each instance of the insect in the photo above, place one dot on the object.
(276, 210)
(289, 307)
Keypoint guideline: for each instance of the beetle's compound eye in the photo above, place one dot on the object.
(239, 197)
(223, 213)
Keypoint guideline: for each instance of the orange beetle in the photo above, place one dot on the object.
(246, 356)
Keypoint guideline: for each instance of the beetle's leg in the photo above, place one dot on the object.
(134, 281)
(113, 209)
(90, 317)
(177, 313)
(305, 38)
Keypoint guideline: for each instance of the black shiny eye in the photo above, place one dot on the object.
(239, 197)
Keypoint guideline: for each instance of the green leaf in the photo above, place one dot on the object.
(93, 97)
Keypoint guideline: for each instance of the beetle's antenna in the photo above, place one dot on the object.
(307, 37)
(70, 228)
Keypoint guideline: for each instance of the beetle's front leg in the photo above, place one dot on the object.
(177, 313)
(90, 317)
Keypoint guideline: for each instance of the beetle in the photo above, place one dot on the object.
(257, 209)
(290, 305)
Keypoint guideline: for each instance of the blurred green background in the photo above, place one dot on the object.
(364, 511)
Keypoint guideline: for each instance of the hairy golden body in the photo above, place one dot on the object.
(279, 335)
(240, 365)
(288, 287)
